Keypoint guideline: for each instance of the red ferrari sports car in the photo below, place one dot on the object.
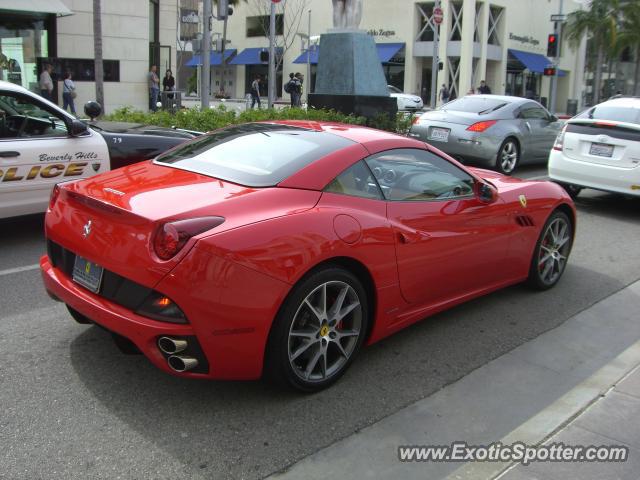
(281, 248)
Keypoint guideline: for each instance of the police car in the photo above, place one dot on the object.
(41, 145)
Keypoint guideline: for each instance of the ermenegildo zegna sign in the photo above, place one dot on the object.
(523, 39)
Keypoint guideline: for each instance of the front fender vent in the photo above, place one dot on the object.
(525, 221)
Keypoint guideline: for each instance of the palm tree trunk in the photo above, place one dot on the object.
(597, 80)
(97, 51)
(636, 75)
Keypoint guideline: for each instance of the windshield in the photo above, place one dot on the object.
(614, 113)
(393, 89)
(479, 105)
(254, 154)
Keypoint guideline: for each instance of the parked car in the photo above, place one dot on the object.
(406, 101)
(41, 145)
(600, 149)
(281, 248)
(496, 131)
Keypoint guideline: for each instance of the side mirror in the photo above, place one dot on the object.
(553, 118)
(486, 193)
(77, 128)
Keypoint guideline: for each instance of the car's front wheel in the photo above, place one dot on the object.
(552, 251)
(508, 156)
(318, 331)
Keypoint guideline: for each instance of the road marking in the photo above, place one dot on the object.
(19, 269)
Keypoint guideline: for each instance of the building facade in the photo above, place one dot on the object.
(501, 41)
(135, 34)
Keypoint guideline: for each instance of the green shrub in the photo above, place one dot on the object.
(213, 118)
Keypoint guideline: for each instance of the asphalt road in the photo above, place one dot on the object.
(72, 406)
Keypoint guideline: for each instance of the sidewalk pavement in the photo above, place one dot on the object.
(572, 384)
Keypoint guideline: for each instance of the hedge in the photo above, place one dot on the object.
(213, 118)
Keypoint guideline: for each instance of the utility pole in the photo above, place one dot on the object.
(308, 89)
(557, 29)
(436, 18)
(272, 56)
(205, 75)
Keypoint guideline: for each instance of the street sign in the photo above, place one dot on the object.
(437, 15)
(558, 17)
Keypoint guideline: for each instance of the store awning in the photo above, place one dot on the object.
(55, 7)
(251, 56)
(214, 57)
(534, 62)
(386, 51)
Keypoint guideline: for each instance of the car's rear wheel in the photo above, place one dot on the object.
(319, 330)
(508, 156)
(552, 251)
(572, 190)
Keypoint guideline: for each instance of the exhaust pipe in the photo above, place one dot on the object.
(182, 364)
(171, 346)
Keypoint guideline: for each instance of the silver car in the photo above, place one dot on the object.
(495, 131)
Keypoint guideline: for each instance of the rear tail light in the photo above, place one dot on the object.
(54, 196)
(415, 120)
(559, 145)
(172, 236)
(162, 308)
(481, 126)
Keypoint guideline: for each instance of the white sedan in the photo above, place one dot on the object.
(406, 102)
(600, 149)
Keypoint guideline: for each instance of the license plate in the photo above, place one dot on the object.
(601, 150)
(87, 274)
(439, 134)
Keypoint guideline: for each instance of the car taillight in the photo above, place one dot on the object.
(559, 144)
(172, 236)
(415, 120)
(55, 192)
(481, 126)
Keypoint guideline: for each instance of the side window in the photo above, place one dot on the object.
(356, 181)
(418, 175)
(22, 117)
(534, 113)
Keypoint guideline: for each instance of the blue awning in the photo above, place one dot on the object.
(214, 57)
(251, 56)
(386, 51)
(534, 61)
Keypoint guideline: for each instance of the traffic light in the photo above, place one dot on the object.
(552, 45)
(264, 56)
(550, 71)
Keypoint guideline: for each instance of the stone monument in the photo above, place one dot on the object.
(350, 78)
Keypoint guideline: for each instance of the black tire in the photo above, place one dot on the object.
(572, 190)
(509, 148)
(544, 274)
(299, 332)
(78, 317)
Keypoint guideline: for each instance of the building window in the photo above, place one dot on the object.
(259, 26)
(154, 32)
(427, 25)
(495, 17)
(82, 69)
(456, 22)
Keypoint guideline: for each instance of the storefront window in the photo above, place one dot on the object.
(22, 41)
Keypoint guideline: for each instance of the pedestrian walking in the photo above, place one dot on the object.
(291, 87)
(444, 94)
(169, 83)
(300, 83)
(484, 88)
(45, 83)
(154, 88)
(68, 93)
(255, 92)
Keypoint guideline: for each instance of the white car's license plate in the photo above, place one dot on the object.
(439, 134)
(87, 274)
(601, 150)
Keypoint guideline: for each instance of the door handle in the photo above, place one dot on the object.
(528, 125)
(9, 154)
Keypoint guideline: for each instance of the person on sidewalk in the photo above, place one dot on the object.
(68, 93)
(45, 83)
(444, 94)
(484, 88)
(255, 92)
(169, 83)
(154, 88)
(291, 89)
(300, 79)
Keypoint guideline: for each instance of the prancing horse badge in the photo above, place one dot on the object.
(523, 201)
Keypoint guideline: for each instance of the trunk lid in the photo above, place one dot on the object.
(128, 205)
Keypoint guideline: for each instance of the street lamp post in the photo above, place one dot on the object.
(206, 61)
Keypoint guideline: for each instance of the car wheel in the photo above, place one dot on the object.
(78, 317)
(508, 156)
(572, 190)
(318, 331)
(552, 251)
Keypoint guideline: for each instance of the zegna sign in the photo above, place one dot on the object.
(523, 39)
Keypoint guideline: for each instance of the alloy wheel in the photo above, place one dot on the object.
(554, 250)
(325, 331)
(508, 157)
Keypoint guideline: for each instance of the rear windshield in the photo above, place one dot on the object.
(254, 154)
(614, 113)
(473, 104)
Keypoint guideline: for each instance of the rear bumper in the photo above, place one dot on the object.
(591, 175)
